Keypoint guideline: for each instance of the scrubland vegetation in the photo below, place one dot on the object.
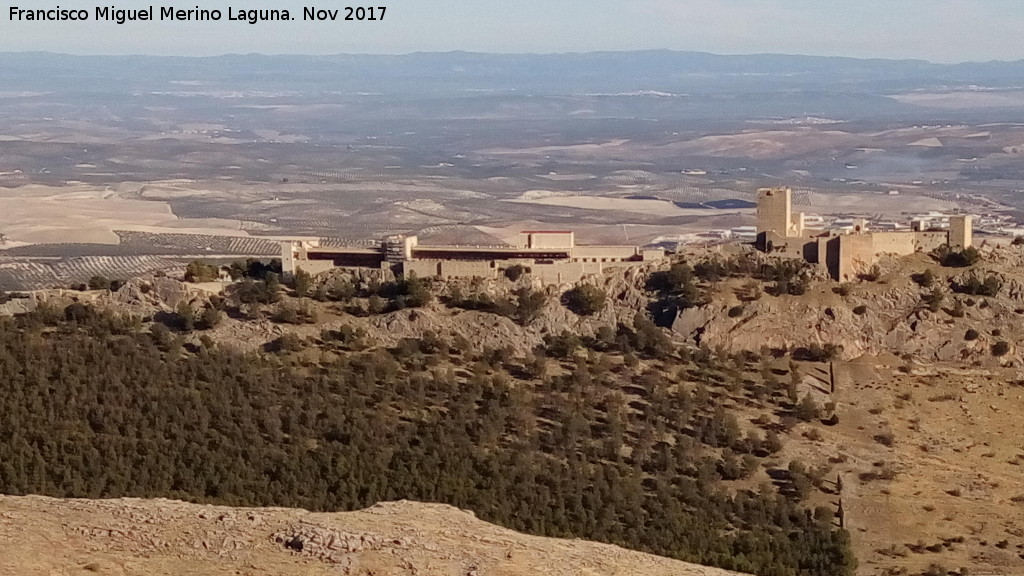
(621, 437)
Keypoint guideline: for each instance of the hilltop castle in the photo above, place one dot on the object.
(552, 257)
(845, 253)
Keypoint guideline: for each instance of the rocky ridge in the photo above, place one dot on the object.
(131, 537)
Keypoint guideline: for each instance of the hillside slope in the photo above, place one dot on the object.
(164, 537)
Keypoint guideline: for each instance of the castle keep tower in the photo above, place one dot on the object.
(960, 232)
(775, 213)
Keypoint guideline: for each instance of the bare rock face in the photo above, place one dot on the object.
(138, 537)
(17, 306)
(874, 318)
(361, 278)
(154, 294)
(160, 293)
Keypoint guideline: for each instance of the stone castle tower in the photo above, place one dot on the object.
(775, 213)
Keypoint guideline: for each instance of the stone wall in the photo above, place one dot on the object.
(856, 255)
(468, 269)
(421, 268)
(312, 267)
(899, 243)
(288, 257)
(605, 253)
(806, 248)
(547, 239)
(564, 272)
(928, 241)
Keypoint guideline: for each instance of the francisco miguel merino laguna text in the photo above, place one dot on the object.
(197, 14)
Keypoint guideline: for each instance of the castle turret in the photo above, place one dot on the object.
(961, 229)
(775, 211)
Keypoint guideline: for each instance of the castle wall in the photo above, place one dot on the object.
(547, 239)
(806, 248)
(312, 267)
(652, 255)
(856, 255)
(450, 268)
(421, 268)
(287, 257)
(564, 272)
(899, 243)
(928, 241)
(605, 253)
(474, 269)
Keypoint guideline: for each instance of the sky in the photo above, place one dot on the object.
(936, 30)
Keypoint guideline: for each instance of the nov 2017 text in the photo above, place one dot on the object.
(119, 15)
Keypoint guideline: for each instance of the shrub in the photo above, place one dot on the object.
(515, 272)
(817, 352)
(301, 283)
(971, 334)
(872, 275)
(934, 299)
(924, 279)
(807, 409)
(210, 319)
(99, 283)
(295, 314)
(563, 345)
(197, 271)
(957, 258)
(885, 439)
(585, 299)
(860, 310)
(843, 289)
(287, 343)
(975, 286)
(411, 292)
(529, 305)
(253, 268)
(735, 311)
(1000, 348)
(186, 317)
(376, 304)
(256, 292)
(750, 291)
(340, 290)
(77, 312)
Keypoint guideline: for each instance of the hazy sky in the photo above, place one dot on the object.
(937, 30)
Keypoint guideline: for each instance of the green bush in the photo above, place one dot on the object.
(975, 286)
(934, 299)
(957, 258)
(301, 283)
(585, 300)
(515, 272)
(99, 283)
(924, 279)
(197, 271)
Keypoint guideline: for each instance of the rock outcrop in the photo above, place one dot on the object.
(162, 537)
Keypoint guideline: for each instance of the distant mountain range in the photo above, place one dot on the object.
(672, 84)
(598, 72)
